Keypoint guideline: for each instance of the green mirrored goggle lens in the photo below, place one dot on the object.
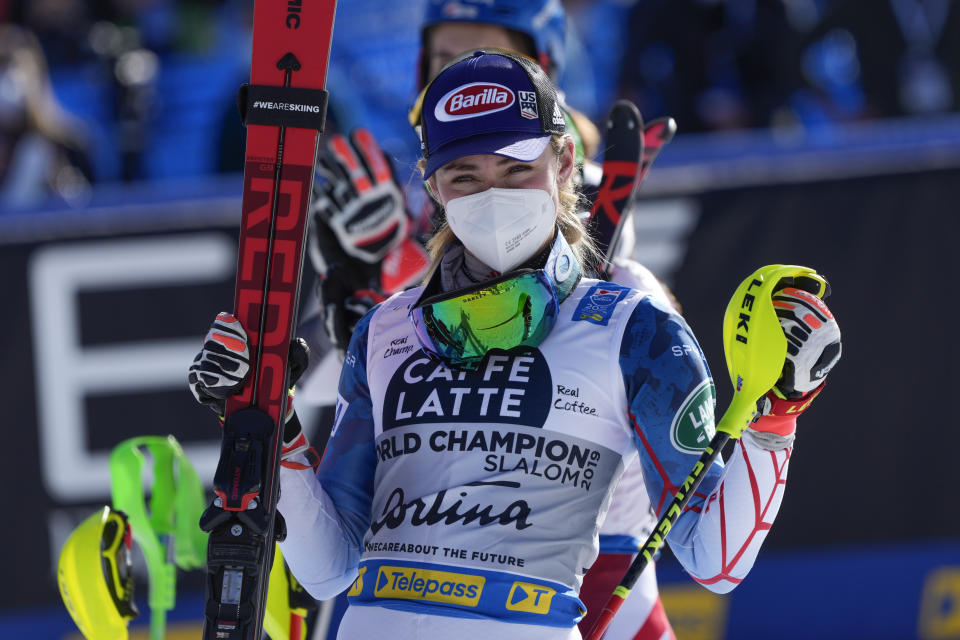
(461, 327)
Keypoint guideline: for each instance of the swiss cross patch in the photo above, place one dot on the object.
(528, 104)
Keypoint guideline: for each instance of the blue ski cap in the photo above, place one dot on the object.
(543, 21)
(492, 102)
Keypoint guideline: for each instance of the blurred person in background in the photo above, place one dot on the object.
(61, 26)
(596, 39)
(712, 64)
(899, 58)
(105, 63)
(43, 151)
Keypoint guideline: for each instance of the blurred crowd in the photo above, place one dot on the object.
(122, 90)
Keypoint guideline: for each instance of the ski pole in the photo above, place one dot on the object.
(755, 347)
(165, 525)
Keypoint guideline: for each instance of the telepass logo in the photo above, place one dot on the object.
(473, 100)
(409, 583)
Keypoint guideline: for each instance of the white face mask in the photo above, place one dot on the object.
(503, 227)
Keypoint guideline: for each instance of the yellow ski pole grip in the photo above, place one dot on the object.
(754, 343)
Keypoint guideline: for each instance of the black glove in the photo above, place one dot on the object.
(358, 212)
(343, 301)
(358, 216)
(222, 366)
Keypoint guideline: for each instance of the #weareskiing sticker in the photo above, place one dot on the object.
(598, 304)
(692, 427)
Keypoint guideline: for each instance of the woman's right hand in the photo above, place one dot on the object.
(222, 366)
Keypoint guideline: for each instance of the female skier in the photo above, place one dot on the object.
(484, 419)
(356, 264)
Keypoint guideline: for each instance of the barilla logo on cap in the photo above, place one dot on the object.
(472, 101)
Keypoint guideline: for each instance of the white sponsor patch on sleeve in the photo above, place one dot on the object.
(341, 409)
(693, 425)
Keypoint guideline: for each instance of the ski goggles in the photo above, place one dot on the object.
(461, 327)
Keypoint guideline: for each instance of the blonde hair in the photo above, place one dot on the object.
(568, 219)
(21, 49)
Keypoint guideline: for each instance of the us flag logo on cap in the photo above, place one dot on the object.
(528, 104)
(472, 101)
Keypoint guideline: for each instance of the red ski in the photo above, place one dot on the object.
(284, 109)
(630, 150)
